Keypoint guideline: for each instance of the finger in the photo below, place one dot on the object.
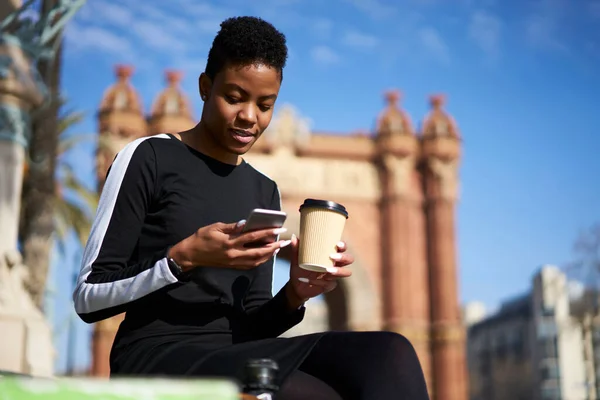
(341, 246)
(258, 236)
(233, 228)
(267, 251)
(254, 256)
(342, 259)
(325, 285)
(294, 247)
(339, 272)
(239, 226)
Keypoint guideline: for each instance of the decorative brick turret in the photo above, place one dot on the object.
(441, 155)
(120, 120)
(171, 111)
(405, 278)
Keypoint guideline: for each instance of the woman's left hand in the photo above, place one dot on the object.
(307, 284)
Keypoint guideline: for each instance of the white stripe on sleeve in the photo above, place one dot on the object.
(91, 297)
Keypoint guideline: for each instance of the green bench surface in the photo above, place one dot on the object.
(22, 388)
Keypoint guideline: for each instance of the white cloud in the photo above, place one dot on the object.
(433, 43)
(360, 40)
(322, 28)
(133, 31)
(324, 55)
(157, 37)
(113, 13)
(375, 9)
(542, 27)
(485, 30)
(92, 38)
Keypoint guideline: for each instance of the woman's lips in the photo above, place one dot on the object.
(241, 136)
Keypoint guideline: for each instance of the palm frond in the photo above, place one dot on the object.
(61, 226)
(69, 119)
(68, 143)
(75, 218)
(70, 182)
(74, 202)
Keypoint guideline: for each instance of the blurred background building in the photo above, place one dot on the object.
(542, 345)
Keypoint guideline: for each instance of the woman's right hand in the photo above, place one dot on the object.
(223, 245)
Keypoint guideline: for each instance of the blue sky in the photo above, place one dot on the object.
(522, 80)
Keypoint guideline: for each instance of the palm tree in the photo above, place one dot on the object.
(73, 202)
(39, 191)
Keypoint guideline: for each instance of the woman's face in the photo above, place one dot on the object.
(239, 105)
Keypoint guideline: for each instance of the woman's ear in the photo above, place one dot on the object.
(204, 86)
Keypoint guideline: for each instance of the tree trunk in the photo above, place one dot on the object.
(39, 192)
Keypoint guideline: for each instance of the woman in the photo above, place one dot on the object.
(166, 249)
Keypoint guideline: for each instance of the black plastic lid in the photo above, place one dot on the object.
(327, 204)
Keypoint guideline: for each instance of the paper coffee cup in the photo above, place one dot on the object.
(321, 226)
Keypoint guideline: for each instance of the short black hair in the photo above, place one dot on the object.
(246, 41)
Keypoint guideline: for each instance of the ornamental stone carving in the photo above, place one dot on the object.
(393, 120)
(122, 96)
(401, 170)
(288, 130)
(447, 175)
(301, 176)
(438, 122)
(14, 124)
(172, 101)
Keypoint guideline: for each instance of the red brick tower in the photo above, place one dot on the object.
(440, 158)
(120, 120)
(171, 111)
(405, 277)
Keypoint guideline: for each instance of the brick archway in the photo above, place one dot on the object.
(401, 187)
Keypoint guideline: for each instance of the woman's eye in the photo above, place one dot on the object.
(264, 107)
(231, 100)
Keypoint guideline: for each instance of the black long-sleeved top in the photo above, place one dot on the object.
(159, 191)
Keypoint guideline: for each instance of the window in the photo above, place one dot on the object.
(550, 371)
(550, 393)
(547, 348)
(547, 328)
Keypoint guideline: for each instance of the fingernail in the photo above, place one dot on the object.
(341, 245)
(276, 251)
(284, 243)
(279, 231)
(336, 256)
(241, 223)
(293, 236)
(304, 280)
(332, 270)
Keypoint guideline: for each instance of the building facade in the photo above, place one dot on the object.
(535, 347)
(401, 189)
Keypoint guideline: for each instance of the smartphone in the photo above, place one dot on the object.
(264, 219)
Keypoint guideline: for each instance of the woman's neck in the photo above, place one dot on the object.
(201, 140)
